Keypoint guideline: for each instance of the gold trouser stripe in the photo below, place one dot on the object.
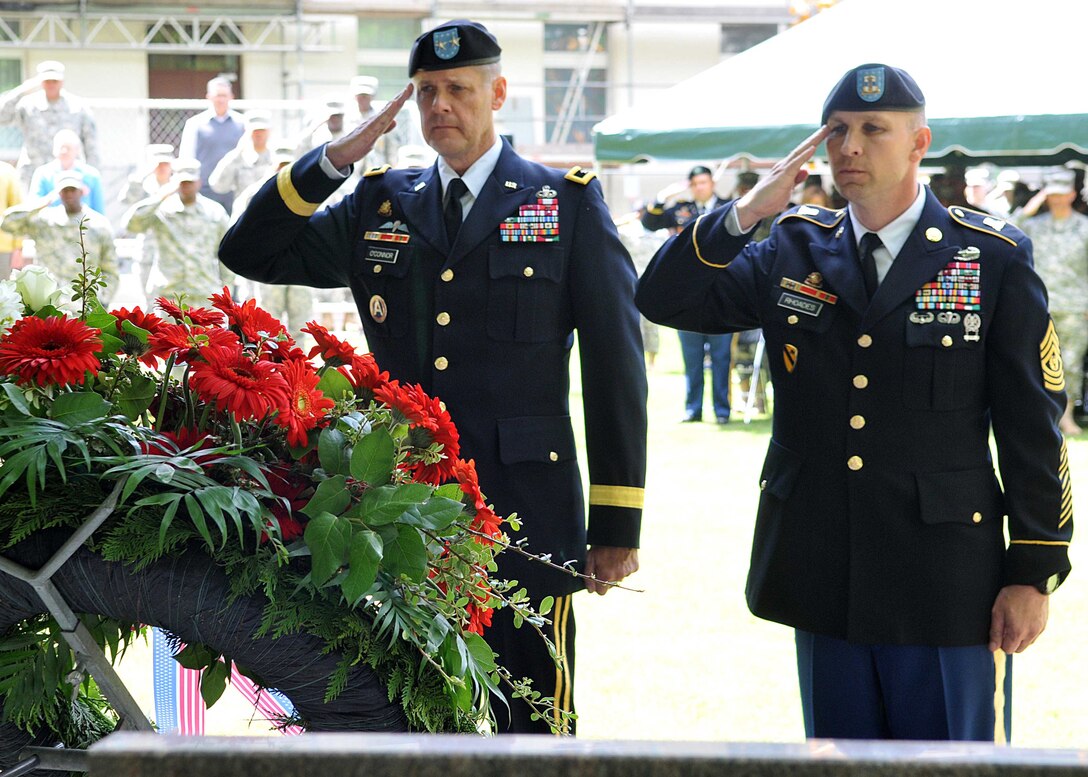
(616, 496)
(562, 668)
(1000, 735)
(1037, 542)
(290, 196)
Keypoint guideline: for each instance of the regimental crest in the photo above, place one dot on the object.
(447, 43)
(385, 209)
(871, 84)
(1050, 357)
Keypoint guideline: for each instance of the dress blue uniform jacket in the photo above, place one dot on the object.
(881, 518)
(486, 326)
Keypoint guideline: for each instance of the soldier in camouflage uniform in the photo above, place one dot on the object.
(55, 232)
(1061, 259)
(187, 227)
(40, 115)
(247, 163)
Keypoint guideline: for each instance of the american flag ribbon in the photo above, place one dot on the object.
(179, 708)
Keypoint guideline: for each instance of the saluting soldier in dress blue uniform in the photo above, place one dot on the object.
(901, 334)
(471, 277)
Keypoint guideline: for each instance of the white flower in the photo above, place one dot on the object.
(11, 305)
(37, 287)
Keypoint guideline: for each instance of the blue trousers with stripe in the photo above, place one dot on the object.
(851, 691)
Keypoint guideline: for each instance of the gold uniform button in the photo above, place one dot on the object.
(857, 421)
(377, 269)
(527, 272)
(946, 341)
(441, 363)
(855, 463)
(447, 275)
(553, 456)
(865, 341)
(792, 319)
(443, 318)
(860, 381)
(976, 517)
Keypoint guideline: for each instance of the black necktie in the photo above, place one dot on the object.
(870, 241)
(452, 214)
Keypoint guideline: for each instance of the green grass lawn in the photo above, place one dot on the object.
(685, 660)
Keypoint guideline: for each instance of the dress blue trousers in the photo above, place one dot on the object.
(851, 691)
(694, 347)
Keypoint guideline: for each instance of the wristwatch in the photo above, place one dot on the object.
(1050, 585)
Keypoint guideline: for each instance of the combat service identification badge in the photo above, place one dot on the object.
(789, 357)
(378, 310)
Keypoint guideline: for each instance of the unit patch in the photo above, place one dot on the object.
(535, 223)
(1050, 356)
(378, 309)
(789, 357)
(955, 288)
(800, 304)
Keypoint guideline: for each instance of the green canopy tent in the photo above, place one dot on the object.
(1002, 81)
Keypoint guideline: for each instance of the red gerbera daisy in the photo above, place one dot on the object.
(185, 342)
(479, 615)
(363, 372)
(50, 351)
(429, 423)
(149, 322)
(334, 351)
(247, 389)
(484, 519)
(305, 406)
(195, 316)
(255, 324)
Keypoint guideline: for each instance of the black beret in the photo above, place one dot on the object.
(699, 170)
(874, 87)
(459, 43)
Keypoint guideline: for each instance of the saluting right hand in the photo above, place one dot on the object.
(360, 141)
(771, 195)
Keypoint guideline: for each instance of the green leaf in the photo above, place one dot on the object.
(332, 496)
(131, 329)
(384, 505)
(335, 386)
(137, 397)
(363, 560)
(404, 552)
(437, 513)
(105, 321)
(481, 652)
(329, 540)
(333, 452)
(110, 344)
(79, 407)
(16, 397)
(196, 656)
(213, 681)
(450, 491)
(546, 605)
(373, 457)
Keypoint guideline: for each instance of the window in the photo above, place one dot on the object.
(572, 37)
(576, 125)
(387, 33)
(741, 37)
(391, 78)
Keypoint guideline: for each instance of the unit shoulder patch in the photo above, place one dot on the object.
(377, 171)
(987, 224)
(578, 175)
(823, 217)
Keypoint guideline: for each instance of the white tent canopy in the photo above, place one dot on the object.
(1003, 80)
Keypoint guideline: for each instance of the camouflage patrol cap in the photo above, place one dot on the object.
(874, 87)
(459, 43)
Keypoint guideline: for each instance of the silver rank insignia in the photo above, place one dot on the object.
(972, 325)
(547, 193)
(510, 185)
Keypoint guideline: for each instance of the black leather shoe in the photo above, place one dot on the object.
(691, 418)
(722, 420)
